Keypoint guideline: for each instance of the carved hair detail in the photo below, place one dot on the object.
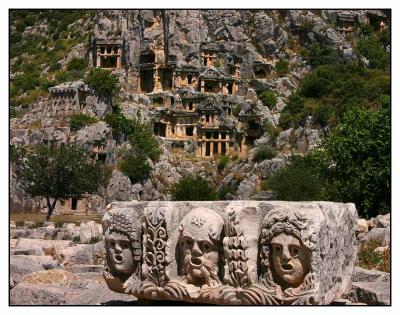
(120, 223)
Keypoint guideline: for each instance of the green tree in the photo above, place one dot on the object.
(192, 187)
(360, 151)
(268, 98)
(103, 82)
(57, 172)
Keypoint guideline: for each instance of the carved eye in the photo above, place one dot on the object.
(294, 250)
(188, 242)
(124, 245)
(205, 246)
(277, 248)
(112, 244)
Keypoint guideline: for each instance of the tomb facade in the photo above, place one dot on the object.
(231, 252)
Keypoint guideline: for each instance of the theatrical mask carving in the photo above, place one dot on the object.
(290, 259)
(120, 253)
(200, 243)
(284, 255)
(123, 250)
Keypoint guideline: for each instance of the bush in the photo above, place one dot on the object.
(304, 179)
(319, 54)
(226, 190)
(79, 121)
(26, 81)
(135, 166)
(295, 184)
(102, 82)
(67, 76)
(236, 110)
(272, 131)
(55, 66)
(140, 134)
(78, 64)
(371, 48)
(264, 153)
(268, 98)
(282, 67)
(222, 162)
(369, 259)
(192, 187)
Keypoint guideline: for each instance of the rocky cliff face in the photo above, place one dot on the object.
(246, 46)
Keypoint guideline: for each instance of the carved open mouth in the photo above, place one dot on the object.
(196, 262)
(287, 267)
(118, 258)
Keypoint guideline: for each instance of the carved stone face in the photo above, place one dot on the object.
(199, 236)
(291, 259)
(199, 253)
(119, 253)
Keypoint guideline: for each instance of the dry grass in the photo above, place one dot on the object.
(64, 218)
(369, 259)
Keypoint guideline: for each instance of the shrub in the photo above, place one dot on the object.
(79, 121)
(55, 66)
(226, 191)
(102, 82)
(135, 166)
(304, 179)
(192, 187)
(319, 54)
(143, 139)
(78, 64)
(372, 49)
(272, 131)
(282, 67)
(294, 183)
(264, 153)
(26, 81)
(66, 76)
(268, 98)
(236, 110)
(222, 162)
(369, 259)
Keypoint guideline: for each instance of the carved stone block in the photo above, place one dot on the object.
(232, 253)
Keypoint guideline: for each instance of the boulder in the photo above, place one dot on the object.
(365, 275)
(89, 232)
(381, 221)
(76, 254)
(362, 226)
(371, 293)
(380, 234)
(246, 188)
(46, 245)
(119, 188)
(22, 265)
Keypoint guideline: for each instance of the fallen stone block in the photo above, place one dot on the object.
(382, 235)
(47, 246)
(86, 268)
(365, 275)
(22, 265)
(371, 293)
(231, 253)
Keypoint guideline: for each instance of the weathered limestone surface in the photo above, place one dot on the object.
(232, 253)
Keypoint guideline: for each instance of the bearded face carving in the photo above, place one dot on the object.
(290, 259)
(200, 237)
